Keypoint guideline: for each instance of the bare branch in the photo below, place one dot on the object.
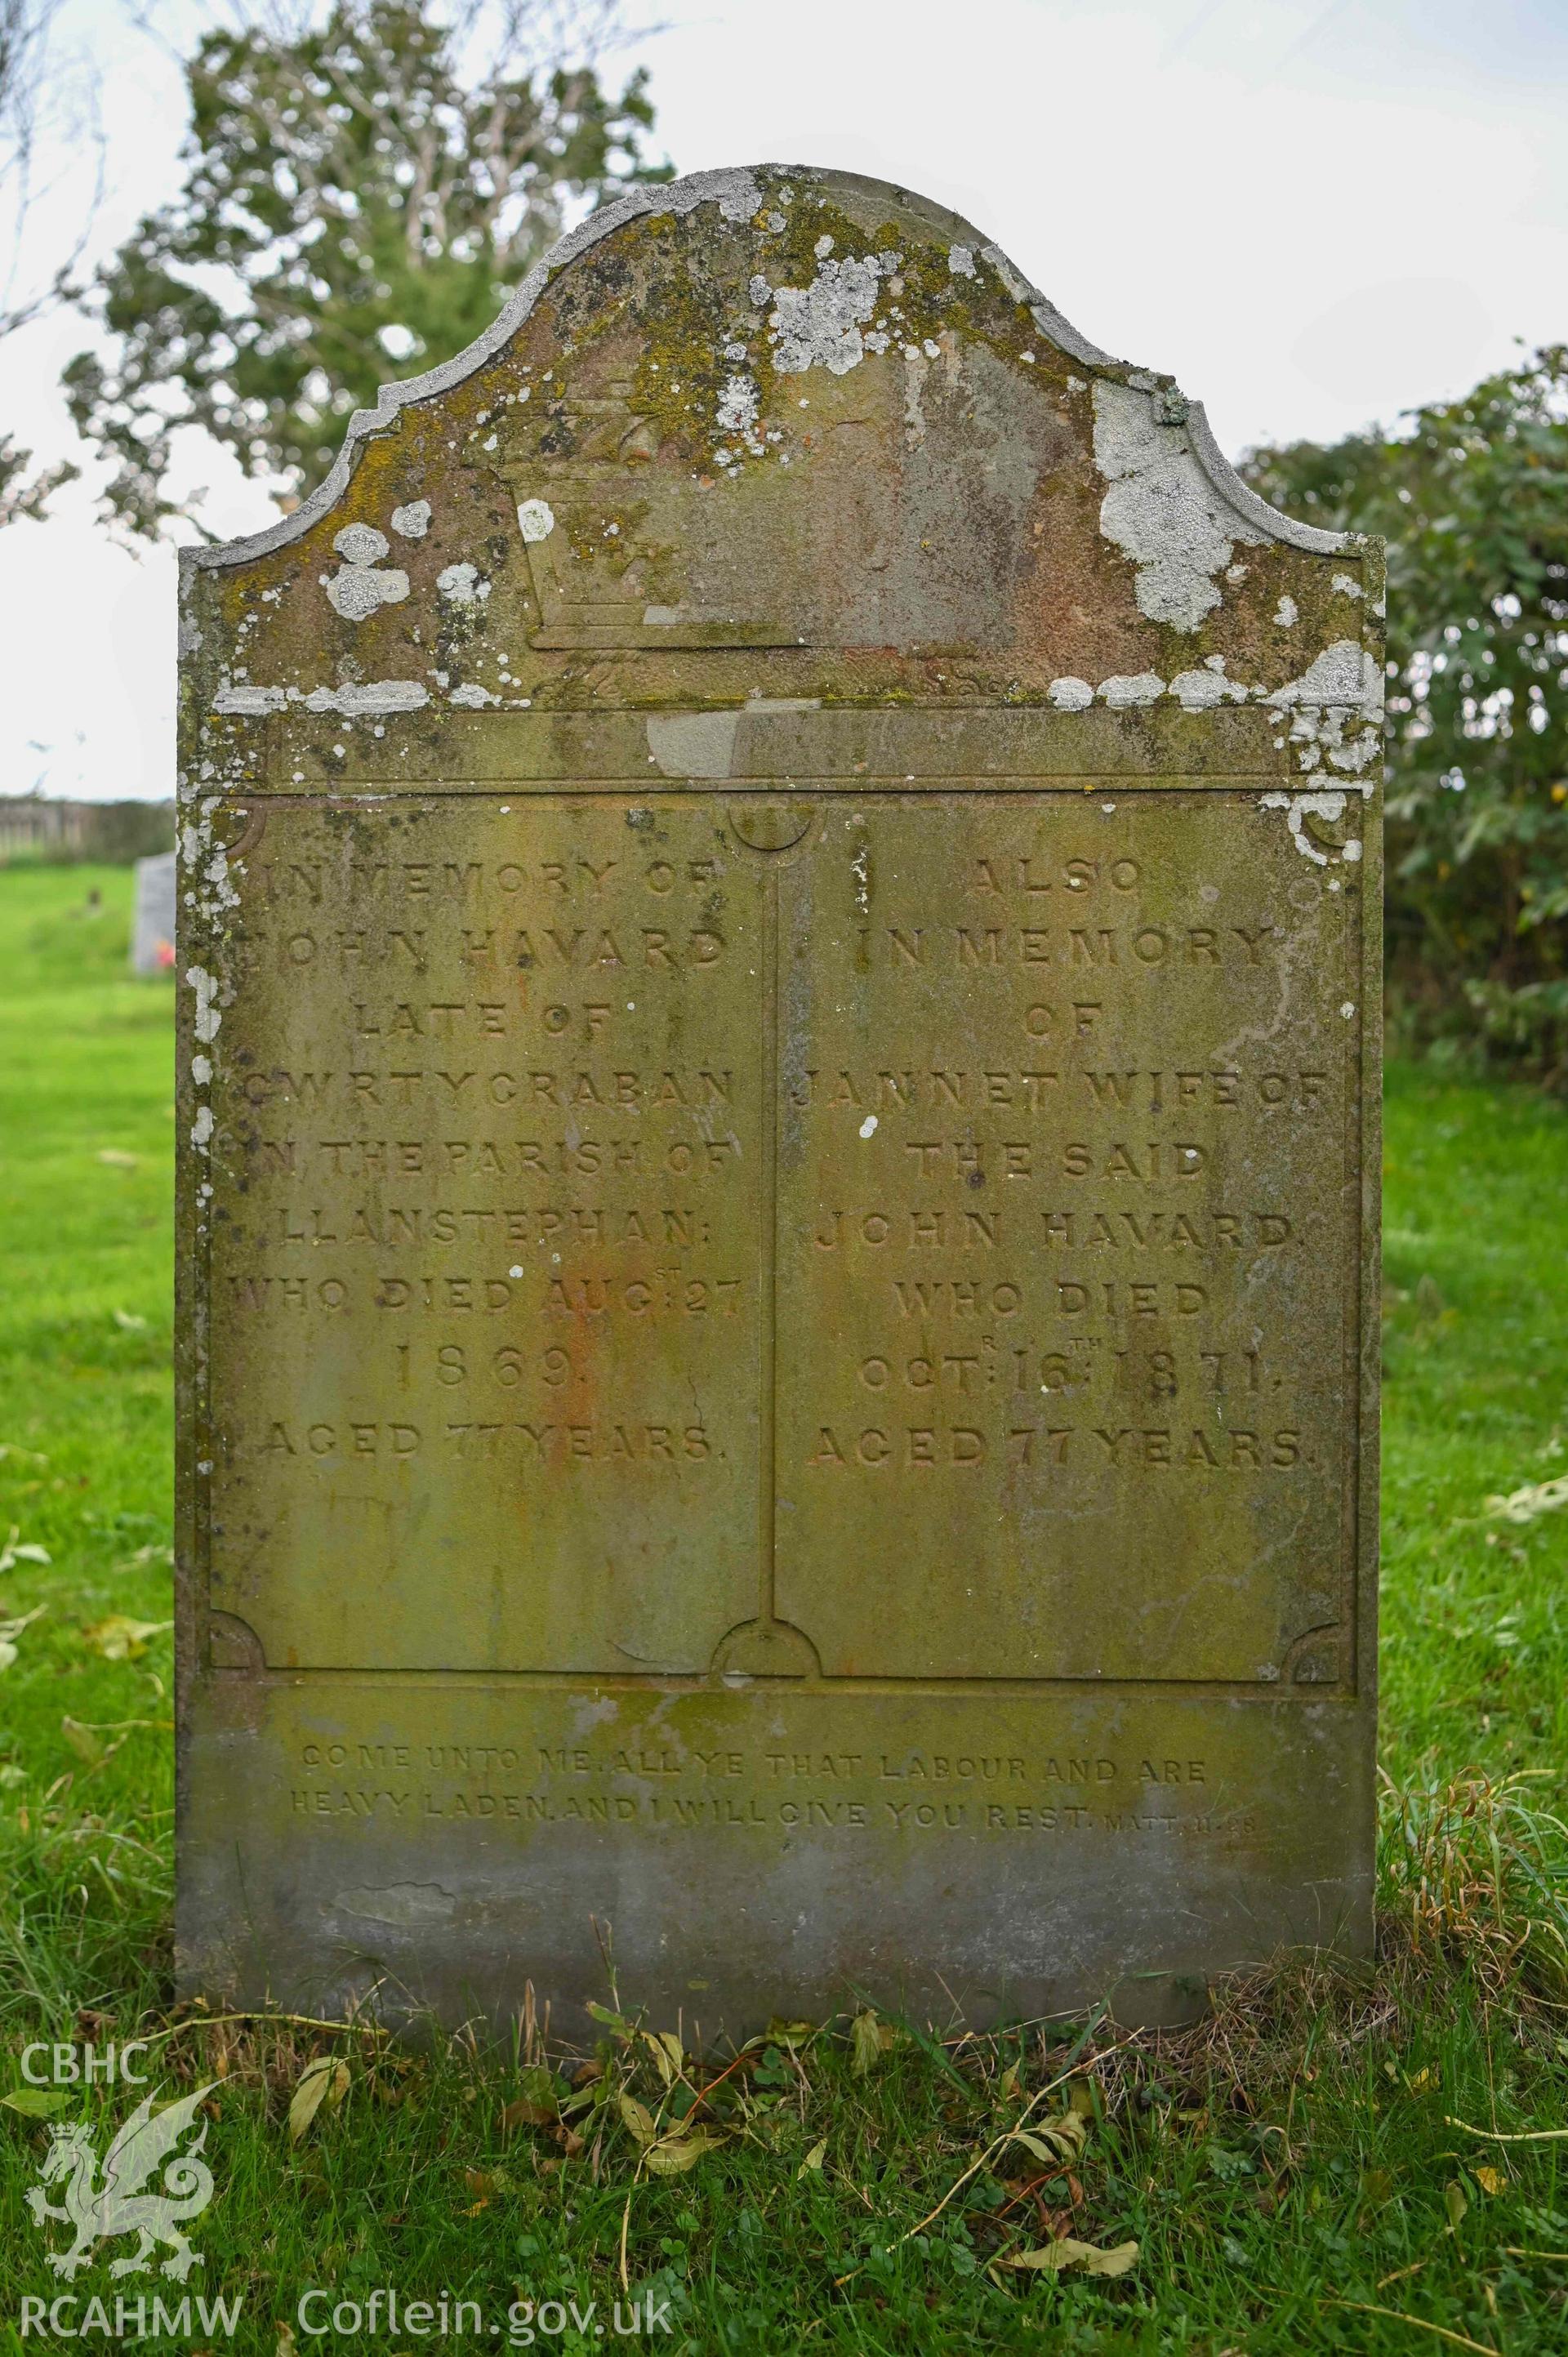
(42, 102)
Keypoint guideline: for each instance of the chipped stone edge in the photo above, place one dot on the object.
(736, 190)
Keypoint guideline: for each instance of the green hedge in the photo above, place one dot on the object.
(1472, 497)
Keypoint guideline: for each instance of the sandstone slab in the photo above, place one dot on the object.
(779, 959)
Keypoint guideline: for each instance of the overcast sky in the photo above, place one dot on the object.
(1312, 213)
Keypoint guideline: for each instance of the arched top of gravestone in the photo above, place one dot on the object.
(808, 426)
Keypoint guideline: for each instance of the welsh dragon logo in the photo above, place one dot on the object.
(99, 2208)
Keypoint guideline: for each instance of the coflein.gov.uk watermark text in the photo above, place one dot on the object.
(327, 2313)
(385, 2314)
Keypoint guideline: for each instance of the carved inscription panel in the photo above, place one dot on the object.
(885, 1237)
(487, 1277)
(1068, 1243)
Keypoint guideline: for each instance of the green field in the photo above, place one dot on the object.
(1291, 2173)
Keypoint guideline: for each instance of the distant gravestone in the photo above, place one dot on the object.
(153, 919)
(779, 976)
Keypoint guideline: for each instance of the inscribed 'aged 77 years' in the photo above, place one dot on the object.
(779, 955)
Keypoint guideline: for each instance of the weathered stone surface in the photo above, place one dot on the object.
(779, 943)
(152, 921)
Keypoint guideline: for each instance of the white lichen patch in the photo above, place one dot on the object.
(363, 583)
(1160, 509)
(209, 1015)
(411, 522)
(735, 411)
(960, 261)
(461, 585)
(1329, 805)
(1200, 691)
(1122, 691)
(472, 694)
(356, 594)
(1344, 751)
(363, 699)
(1286, 614)
(1344, 673)
(201, 1127)
(206, 885)
(361, 544)
(366, 699)
(819, 325)
(736, 194)
(917, 368)
(1335, 710)
(536, 519)
(1071, 695)
(1347, 586)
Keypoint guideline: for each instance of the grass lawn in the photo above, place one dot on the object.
(1291, 2172)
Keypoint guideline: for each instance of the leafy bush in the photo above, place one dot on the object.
(1472, 497)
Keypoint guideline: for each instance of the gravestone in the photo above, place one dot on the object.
(779, 957)
(153, 919)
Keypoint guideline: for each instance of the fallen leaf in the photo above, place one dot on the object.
(117, 1158)
(787, 2033)
(667, 2052)
(82, 1739)
(539, 2104)
(1455, 2201)
(639, 2119)
(37, 2102)
(321, 2084)
(814, 2159)
(524, 2115)
(1535, 1498)
(678, 2154)
(1491, 2180)
(865, 2048)
(129, 1322)
(121, 1639)
(483, 2182)
(1054, 2141)
(1085, 2256)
